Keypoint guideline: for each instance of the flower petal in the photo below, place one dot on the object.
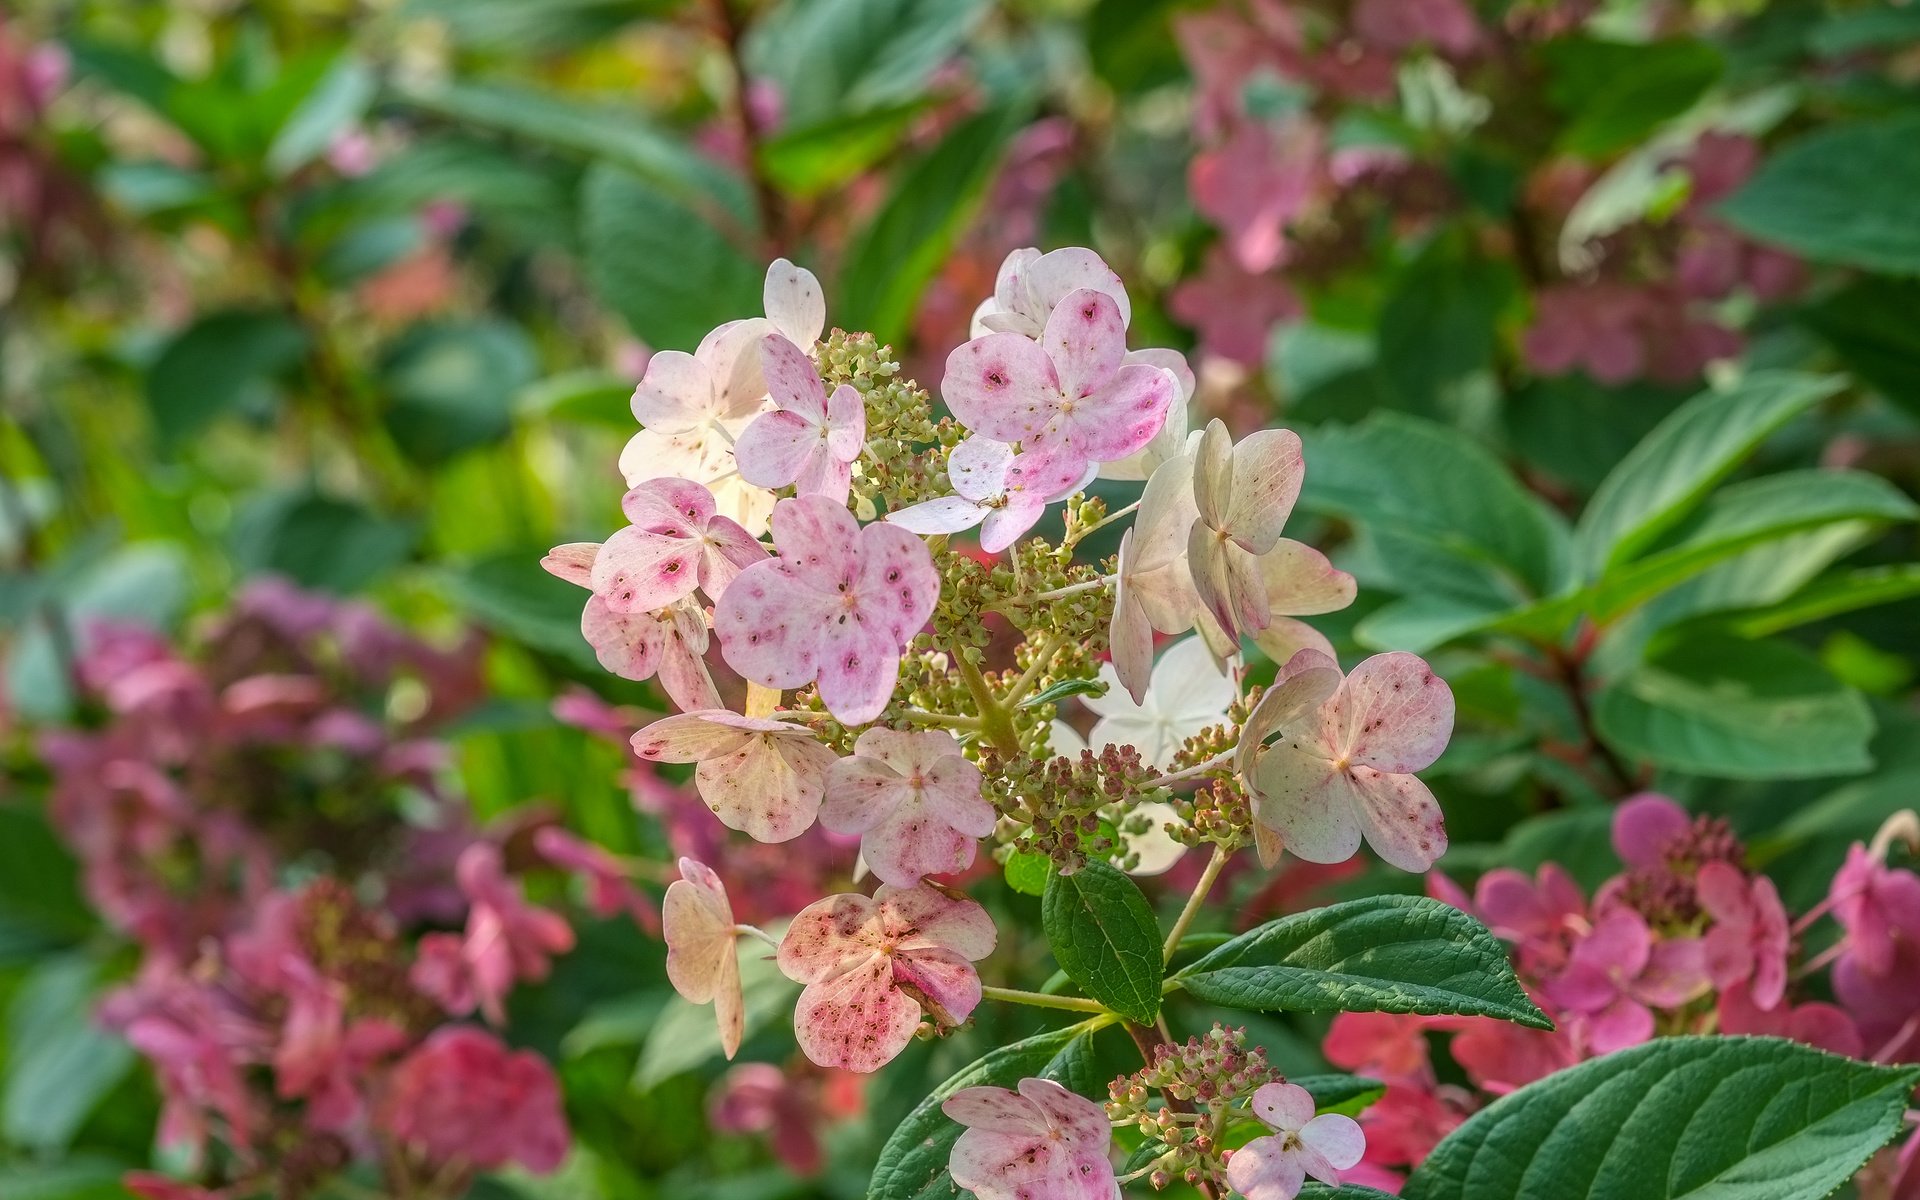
(792, 380)
(674, 507)
(1291, 705)
(1400, 817)
(1083, 1122)
(1393, 714)
(1301, 582)
(639, 572)
(994, 1110)
(628, 644)
(827, 934)
(1302, 798)
(856, 1021)
(1086, 339)
(977, 467)
(1001, 385)
(793, 301)
(676, 394)
(1285, 1107)
(769, 788)
(1267, 471)
(1051, 277)
(1130, 634)
(572, 562)
(698, 736)
(1264, 1169)
(947, 514)
(926, 916)
(778, 448)
(1125, 414)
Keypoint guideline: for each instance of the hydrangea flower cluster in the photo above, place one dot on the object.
(848, 670)
(1687, 938)
(290, 1017)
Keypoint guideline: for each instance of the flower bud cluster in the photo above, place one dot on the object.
(1182, 1100)
(1058, 807)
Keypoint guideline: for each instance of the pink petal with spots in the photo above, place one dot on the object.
(945, 981)
(628, 644)
(778, 448)
(1301, 582)
(977, 468)
(676, 507)
(792, 380)
(1053, 276)
(857, 668)
(572, 562)
(1268, 468)
(1291, 706)
(846, 423)
(1079, 1119)
(1264, 1169)
(1010, 284)
(994, 1110)
(856, 1021)
(1285, 1107)
(793, 301)
(1302, 798)
(683, 671)
(698, 736)
(948, 514)
(1393, 714)
(826, 933)
(1400, 817)
(676, 395)
(769, 788)
(638, 571)
(769, 624)
(1117, 420)
(1086, 339)
(1002, 385)
(818, 538)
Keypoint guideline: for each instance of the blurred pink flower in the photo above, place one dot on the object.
(507, 939)
(1233, 310)
(1749, 938)
(1822, 1025)
(1501, 1057)
(1878, 907)
(462, 1097)
(1253, 184)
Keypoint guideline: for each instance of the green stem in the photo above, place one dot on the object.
(1042, 1000)
(1200, 890)
(996, 723)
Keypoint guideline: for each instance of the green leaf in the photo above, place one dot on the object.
(1437, 325)
(1715, 705)
(817, 158)
(1692, 1118)
(588, 395)
(222, 361)
(1027, 873)
(685, 1036)
(1103, 934)
(1869, 323)
(81, 1177)
(1677, 464)
(932, 202)
(832, 58)
(452, 385)
(1063, 689)
(510, 594)
(913, 1163)
(1843, 194)
(527, 27)
(1347, 1095)
(318, 541)
(660, 265)
(1830, 597)
(337, 100)
(1399, 954)
(624, 137)
(59, 1063)
(1615, 93)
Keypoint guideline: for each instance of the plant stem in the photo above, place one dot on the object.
(1041, 1000)
(766, 200)
(944, 720)
(1041, 658)
(754, 931)
(1074, 589)
(1200, 890)
(1103, 522)
(995, 723)
(1574, 681)
(1214, 763)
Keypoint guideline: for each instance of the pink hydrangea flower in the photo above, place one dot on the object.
(1500, 1057)
(1002, 492)
(693, 408)
(1069, 395)
(914, 801)
(1824, 1025)
(669, 642)
(1619, 973)
(791, 1107)
(1408, 1121)
(675, 544)
(761, 775)
(507, 939)
(1401, 25)
(1877, 906)
(1254, 183)
(1039, 1141)
(609, 881)
(1343, 767)
(1382, 1045)
(871, 966)
(1541, 915)
(1749, 938)
(835, 609)
(1030, 286)
(463, 1097)
(1244, 495)
(810, 439)
(1302, 1144)
(439, 972)
(697, 921)
(1232, 309)
(1646, 827)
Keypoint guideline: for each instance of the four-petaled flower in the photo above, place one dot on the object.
(811, 439)
(506, 937)
(1039, 1141)
(872, 966)
(1619, 973)
(1002, 492)
(836, 608)
(702, 964)
(914, 800)
(676, 543)
(1244, 495)
(1302, 1144)
(1343, 766)
(669, 642)
(1068, 396)
(1877, 906)
(761, 775)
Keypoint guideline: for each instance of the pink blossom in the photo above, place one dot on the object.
(1619, 973)
(1401, 25)
(1408, 1121)
(1244, 495)
(761, 775)
(440, 973)
(1501, 1057)
(1003, 493)
(697, 920)
(871, 966)
(1646, 827)
(1302, 1144)
(1541, 916)
(1070, 395)
(1031, 286)
(1822, 1025)
(1233, 310)
(1382, 1045)
(675, 544)
(462, 1097)
(1877, 906)
(835, 609)
(507, 939)
(1253, 184)
(609, 881)
(1039, 1141)
(1883, 1004)
(1749, 939)
(1342, 769)
(668, 642)
(913, 799)
(811, 439)
(791, 1107)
